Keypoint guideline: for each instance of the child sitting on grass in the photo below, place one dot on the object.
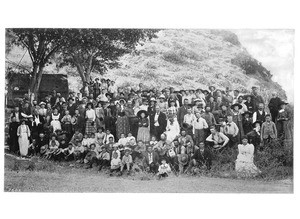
(115, 163)
(126, 161)
(78, 152)
(53, 146)
(123, 141)
(164, 169)
(103, 158)
(69, 152)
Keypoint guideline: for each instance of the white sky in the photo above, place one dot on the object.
(275, 49)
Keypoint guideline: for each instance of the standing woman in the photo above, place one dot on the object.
(283, 118)
(99, 116)
(144, 128)
(23, 133)
(90, 116)
(237, 118)
(55, 123)
(122, 123)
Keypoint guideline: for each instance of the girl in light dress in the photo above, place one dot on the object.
(55, 123)
(100, 136)
(23, 133)
(244, 164)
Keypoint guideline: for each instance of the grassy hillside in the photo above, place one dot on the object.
(186, 59)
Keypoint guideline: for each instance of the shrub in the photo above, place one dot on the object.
(173, 57)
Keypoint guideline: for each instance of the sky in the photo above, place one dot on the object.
(275, 49)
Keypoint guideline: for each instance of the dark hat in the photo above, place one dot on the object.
(244, 137)
(254, 87)
(256, 122)
(268, 114)
(122, 100)
(247, 112)
(205, 91)
(97, 79)
(212, 86)
(237, 91)
(142, 111)
(246, 96)
(70, 98)
(236, 104)
(283, 103)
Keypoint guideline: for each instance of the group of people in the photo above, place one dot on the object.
(158, 130)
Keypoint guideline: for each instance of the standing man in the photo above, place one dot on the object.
(274, 106)
(160, 122)
(256, 98)
(182, 111)
(259, 114)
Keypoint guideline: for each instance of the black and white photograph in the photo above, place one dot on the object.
(128, 110)
(149, 109)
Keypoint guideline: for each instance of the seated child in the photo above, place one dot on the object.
(110, 144)
(85, 141)
(76, 137)
(115, 163)
(153, 141)
(91, 157)
(91, 140)
(103, 158)
(126, 161)
(32, 148)
(130, 138)
(53, 146)
(164, 169)
(123, 141)
(68, 152)
(78, 152)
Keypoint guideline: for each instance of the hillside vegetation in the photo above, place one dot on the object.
(186, 58)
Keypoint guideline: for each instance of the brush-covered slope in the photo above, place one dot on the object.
(194, 59)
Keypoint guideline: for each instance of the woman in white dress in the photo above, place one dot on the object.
(173, 129)
(244, 165)
(55, 123)
(23, 133)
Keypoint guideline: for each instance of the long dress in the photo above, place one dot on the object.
(237, 118)
(122, 124)
(283, 124)
(244, 165)
(23, 133)
(55, 123)
(144, 130)
(173, 130)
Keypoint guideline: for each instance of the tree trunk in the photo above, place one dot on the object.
(35, 81)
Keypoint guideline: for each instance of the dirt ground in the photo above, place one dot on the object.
(39, 181)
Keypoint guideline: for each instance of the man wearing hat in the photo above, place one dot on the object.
(256, 98)
(150, 160)
(274, 106)
(202, 158)
(159, 122)
(182, 111)
(247, 122)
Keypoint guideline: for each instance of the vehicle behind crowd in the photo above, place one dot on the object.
(158, 131)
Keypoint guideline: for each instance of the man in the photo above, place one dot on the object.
(150, 160)
(209, 118)
(71, 106)
(259, 114)
(96, 87)
(217, 139)
(256, 98)
(17, 114)
(241, 102)
(274, 106)
(182, 111)
(13, 137)
(188, 121)
(236, 94)
(231, 131)
(268, 130)
(201, 158)
(199, 126)
(160, 122)
(184, 138)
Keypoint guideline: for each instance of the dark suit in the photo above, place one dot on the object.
(162, 121)
(155, 158)
(182, 111)
(204, 158)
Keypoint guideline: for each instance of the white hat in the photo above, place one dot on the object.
(162, 96)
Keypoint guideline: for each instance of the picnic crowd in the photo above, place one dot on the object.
(158, 130)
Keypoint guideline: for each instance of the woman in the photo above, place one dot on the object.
(23, 133)
(144, 129)
(173, 129)
(122, 123)
(55, 123)
(90, 116)
(237, 118)
(283, 118)
(244, 165)
(99, 116)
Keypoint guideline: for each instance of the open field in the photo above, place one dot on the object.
(63, 178)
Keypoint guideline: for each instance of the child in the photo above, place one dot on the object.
(122, 141)
(100, 136)
(85, 141)
(91, 140)
(53, 146)
(78, 151)
(115, 163)
(116, 150)
(153, 141)
(76, 137)
(66, 123)
(110, 143)
(126, 161)
(103, 158)
(163, 169)
(69, 152)
(32, 147)
(91, 157)
(108, 136)
(130, 138)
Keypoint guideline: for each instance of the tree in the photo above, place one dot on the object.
(41, 45)
(96, 50)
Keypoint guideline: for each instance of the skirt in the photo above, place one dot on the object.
(56, 125)
(90, 127)
(122, 126)
(24, 144)
(143, 134)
